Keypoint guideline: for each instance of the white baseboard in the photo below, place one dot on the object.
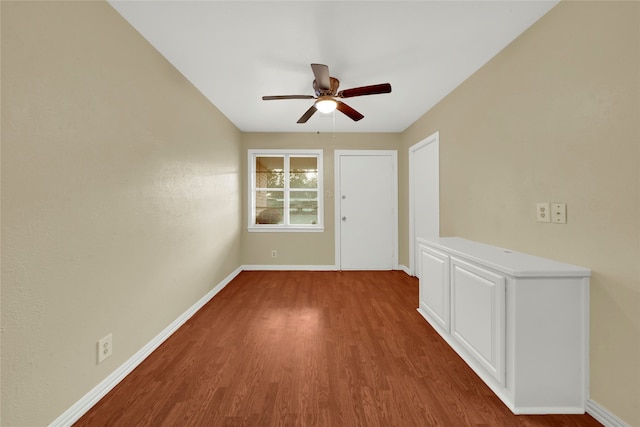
(289, 268)
(405, 269)
(603, 415)
(265, 267)
(74, 413)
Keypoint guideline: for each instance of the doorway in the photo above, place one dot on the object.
(366, 209)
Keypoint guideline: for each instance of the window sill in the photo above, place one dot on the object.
(290, 229)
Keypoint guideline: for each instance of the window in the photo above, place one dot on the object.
(285, 190)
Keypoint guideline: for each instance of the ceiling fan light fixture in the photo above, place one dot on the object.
(326, 105)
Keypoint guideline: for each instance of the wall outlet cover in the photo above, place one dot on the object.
(543, 212)
(105, 348)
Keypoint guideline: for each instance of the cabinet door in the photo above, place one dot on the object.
(478, 315)
(434, 286)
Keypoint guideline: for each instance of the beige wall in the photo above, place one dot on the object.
(303, 248)
(120, 200)
(555, 117)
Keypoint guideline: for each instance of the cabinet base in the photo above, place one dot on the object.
(501, 392)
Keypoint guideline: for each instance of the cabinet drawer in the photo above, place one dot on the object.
(478, 315)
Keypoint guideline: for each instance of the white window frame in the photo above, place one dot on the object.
(286, 227)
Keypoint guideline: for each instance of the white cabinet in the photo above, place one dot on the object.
(520, 322)
(477, 314)
(434, 287)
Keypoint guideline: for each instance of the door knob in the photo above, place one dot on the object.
(344, 218)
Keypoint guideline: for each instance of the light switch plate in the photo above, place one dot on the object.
(559, 213)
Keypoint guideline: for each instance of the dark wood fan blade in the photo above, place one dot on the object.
(270, 98)
(321, 72)
(365, 90)
(306, 116)
(348, 111)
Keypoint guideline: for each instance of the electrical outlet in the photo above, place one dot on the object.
(105, 348)
(274, 253)
(543, 213)
(559, 213)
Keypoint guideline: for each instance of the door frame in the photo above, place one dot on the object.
(337, 155)
(431, 139)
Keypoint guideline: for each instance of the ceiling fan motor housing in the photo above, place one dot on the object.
(335, 83)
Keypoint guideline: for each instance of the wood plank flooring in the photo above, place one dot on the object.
(309, 349)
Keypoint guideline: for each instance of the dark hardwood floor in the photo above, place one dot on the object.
(309, 349)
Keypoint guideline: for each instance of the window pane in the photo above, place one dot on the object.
(269, 207)
(303, 172)
(269, 172)
(303, 207)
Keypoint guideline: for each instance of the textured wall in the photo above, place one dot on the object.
(120, 200)
(555, 117)
(304, 248)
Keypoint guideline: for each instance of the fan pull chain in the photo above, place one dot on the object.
(334, 125)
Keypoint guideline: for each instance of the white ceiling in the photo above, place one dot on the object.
(236, 51)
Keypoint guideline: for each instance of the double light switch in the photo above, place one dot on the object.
(559, 213)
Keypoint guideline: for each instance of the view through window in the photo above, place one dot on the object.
(285, 190)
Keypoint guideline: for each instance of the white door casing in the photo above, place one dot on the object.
(366, 209)
(424, 195)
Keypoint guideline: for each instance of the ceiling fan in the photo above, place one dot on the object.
(326, 88)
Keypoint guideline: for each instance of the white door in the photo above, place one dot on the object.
(424, 194)
(366, 213)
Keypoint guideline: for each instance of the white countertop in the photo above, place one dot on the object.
(516, 264)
